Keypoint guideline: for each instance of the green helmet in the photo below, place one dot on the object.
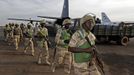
(16, 25)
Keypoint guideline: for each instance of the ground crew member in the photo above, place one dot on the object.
(17, 33)
(81, 48)
(62, 39)
(42, 35)
(29, 39)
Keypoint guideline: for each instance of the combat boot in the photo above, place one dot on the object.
(48, 62)
(53, 67)
(39, 61)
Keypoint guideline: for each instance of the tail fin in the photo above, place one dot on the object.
(65, 11)
(105, 19)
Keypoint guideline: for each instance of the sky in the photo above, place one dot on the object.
(117, 10)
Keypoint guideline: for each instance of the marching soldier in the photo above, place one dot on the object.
(42, 36)
(81, 44)
(62, 39)
(8, 33)
(28, 36)
(11, 37)
(7, 29)
(17, 34)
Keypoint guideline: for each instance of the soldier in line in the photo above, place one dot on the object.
(23, 29)
(17, 34)
(81, 48)
(7, 29)
(36, 29)
(63, 56)
(11, 37)
(8, 33)
(42, 36)
(28, 37)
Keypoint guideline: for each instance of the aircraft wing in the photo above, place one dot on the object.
(31, 20)
(49, 17)
(23, 19)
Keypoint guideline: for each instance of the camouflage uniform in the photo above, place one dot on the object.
(11, 38)
(7, 31)
(62, 54)
(81, 60)
(17, 33)
(42, 43)
(23, 29)
(28, 39)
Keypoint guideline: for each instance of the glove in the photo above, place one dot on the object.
(66, 41)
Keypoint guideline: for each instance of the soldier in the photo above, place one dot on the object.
(11, 33)
(42, 36)
(62, 39)
(81, 48)
(36, 28)
(17, 34)
(28, 39)
(6, 31)
(23, 27)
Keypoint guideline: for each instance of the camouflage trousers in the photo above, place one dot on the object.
(29, 44)
(16, 41)
(85, 69)
(43, 51)
(9, 38)
(63, 56)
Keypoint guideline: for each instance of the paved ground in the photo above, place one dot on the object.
(119, 60)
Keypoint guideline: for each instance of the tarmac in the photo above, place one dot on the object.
(119, 60)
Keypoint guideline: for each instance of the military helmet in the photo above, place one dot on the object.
(66, 21)
(6, 25)
(29, 25)
(16, 25)
(42, 21)
(86, 18)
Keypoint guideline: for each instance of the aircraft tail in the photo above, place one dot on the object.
(65, 11)
(105, 18)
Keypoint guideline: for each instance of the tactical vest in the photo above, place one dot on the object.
(82, 57)
(65, 36)
(17, 31)
(41, 34)
(8, 29)
(29, 33)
